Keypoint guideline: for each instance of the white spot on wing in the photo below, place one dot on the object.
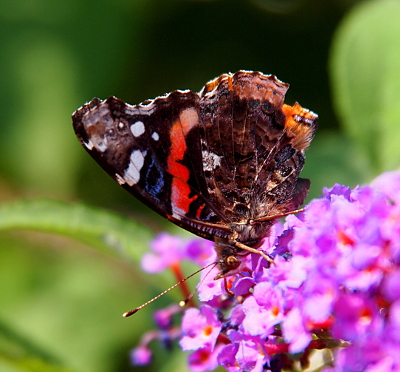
(137, 128)
(119, 179)
(189, 118)
(99, 142)
(298, 118)
(95, 123)
(155, 136)
(176, 215)
(210, 160)
(88, 144)
(132, 173)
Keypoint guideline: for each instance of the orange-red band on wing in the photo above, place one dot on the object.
(180, 190)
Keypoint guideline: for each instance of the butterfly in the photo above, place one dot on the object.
(223, 163)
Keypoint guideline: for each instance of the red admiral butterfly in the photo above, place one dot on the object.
(223, 164)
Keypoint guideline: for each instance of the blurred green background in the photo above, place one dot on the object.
(68, 271)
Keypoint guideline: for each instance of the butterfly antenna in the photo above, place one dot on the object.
(183, 303)
(134, 311)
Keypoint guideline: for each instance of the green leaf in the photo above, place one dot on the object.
(365, 71)
(99, 228)
(20, 354)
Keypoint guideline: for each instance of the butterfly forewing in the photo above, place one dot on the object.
(144, 148)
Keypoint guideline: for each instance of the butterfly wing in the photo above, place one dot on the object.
(253, 146)
(209, 162)
(152, 150)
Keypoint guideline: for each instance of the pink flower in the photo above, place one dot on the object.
(200, 328)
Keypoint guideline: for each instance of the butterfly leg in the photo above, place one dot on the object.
(228, 291)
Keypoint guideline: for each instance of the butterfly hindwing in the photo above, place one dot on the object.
(253, 145)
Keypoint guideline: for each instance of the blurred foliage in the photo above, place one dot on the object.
(366, 81)
(100, 229)
(61, 299)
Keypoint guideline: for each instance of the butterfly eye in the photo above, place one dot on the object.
(232, 262)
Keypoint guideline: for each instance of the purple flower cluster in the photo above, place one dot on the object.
(334, 286)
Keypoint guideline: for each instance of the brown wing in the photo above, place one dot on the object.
(253, 145)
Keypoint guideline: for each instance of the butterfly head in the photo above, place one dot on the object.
(229, 260)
